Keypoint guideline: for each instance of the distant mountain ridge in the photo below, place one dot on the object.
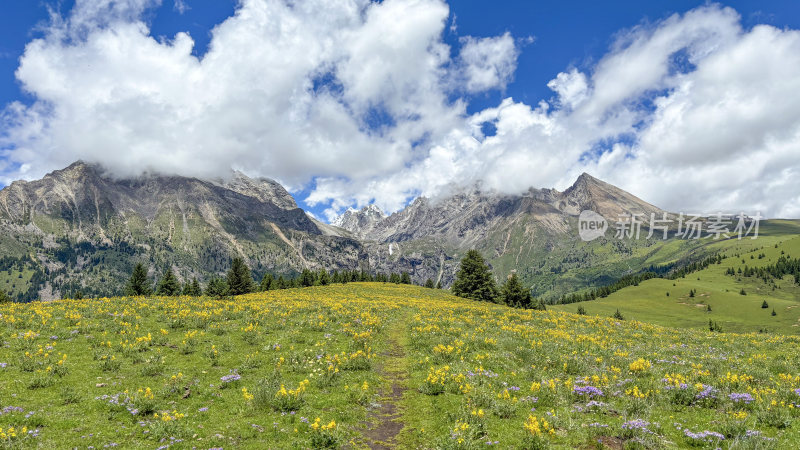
(77, 228)
(463, 218)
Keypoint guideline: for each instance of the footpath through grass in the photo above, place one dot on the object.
(381, 365)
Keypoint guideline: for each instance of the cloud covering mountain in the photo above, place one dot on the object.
(364, 102)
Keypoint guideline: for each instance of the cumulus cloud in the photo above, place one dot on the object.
(289, 91)
(487, 63)
(365, 102)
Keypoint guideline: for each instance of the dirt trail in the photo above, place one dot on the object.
(385, 422)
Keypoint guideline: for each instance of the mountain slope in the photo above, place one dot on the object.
(79, 229)
(87, 229)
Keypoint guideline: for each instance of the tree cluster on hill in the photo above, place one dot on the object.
(22, 265)
(670, 271)
(686, 269)
(239, 280)
(605, 291)
(784, 266)
(475, 281)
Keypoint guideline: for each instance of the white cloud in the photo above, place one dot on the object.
(488, 63)
(571, 87)
(692, 112)
(181, 6)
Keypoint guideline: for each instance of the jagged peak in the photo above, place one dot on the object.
(373, 208)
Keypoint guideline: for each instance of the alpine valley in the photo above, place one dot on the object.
(79, 229)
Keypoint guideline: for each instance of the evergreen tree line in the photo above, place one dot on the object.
(784, 266)
(239, 280)
(474, 280)
(605, 291)
(686, 269)
(670, 271)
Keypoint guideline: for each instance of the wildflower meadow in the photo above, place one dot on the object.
(378, 364)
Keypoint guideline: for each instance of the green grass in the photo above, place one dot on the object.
(649, 302)
(458, 374)
(14, 281)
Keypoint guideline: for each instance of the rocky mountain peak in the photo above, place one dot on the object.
(359, 221)
(608, 200)
(263, 189)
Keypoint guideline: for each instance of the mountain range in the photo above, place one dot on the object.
(81, 229)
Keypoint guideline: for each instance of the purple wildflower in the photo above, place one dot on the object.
(636, 424)
(233, 376)
(736, 398)
(706, 436)
(589, 391)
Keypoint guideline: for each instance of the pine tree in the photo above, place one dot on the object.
(405, 278)
(280, 283)
(217, 288)
(474, 280)
(4, 297)
(138, 283)
(196, 291)
(773, 312)
(307, 278)
(240, 281)
(439, 284)
(394, 278)
(192, 288)
(324, 278)
(618, 315)
(512, 293)
(267, 282)
(169, 285)
(429, 283)
(765, 305)
(581, 310)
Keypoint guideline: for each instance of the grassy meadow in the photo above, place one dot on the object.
(381, 365)
(668, 302)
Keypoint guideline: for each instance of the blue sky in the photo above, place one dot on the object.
(549, 38)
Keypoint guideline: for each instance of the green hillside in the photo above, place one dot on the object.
(730, 309)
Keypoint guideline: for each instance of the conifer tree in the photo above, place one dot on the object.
(4, 297)
(196, 291)
(192, 288)
(323, 278)
(405, 278)
(429, 283)
(474, 280)
(169, 285)
(217, 288)
(239, 279)
(267, 282)
(307, 278)
(512, 293)
(138, 283)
